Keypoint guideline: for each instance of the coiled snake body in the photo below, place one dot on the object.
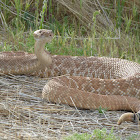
(92, 81)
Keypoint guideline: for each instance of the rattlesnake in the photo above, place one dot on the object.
(91, 81)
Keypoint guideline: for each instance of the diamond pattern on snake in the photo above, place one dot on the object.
(84, 82)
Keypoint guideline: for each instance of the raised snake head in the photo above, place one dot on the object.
(43, 35)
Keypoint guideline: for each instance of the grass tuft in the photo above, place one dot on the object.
(81, 28)
(98, 134)
(79, 34)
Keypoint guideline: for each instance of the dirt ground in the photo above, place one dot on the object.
(25, 115)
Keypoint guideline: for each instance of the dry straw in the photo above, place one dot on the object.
(24, 114)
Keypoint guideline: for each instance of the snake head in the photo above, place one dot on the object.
(43, 35)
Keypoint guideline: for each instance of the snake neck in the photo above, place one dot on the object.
(42, 55)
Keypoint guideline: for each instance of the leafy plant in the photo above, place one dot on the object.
(101, 110)
(98, 134)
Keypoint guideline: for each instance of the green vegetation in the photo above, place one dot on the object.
(97, 135)
(69, 21)
(101, 110)
(80, 28)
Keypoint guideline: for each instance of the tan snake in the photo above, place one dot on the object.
(92, 82)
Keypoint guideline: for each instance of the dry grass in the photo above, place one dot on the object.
(74, 19)
(83, 11)
(24, 115)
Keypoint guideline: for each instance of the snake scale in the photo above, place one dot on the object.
(83, 82)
